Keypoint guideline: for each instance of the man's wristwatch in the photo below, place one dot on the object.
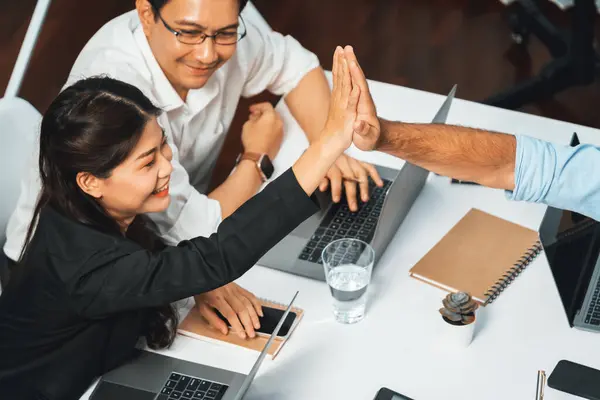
(262, 161)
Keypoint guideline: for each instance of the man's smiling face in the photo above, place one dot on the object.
(189, 66)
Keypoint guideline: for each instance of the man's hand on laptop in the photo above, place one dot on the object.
(239, 306)
(350, 172)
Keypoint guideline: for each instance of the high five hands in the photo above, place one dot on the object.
(367, 126)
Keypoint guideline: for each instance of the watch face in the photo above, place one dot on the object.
(266, 166)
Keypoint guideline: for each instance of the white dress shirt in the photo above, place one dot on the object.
(196, 128)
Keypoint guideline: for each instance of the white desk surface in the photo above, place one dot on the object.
(397, 345)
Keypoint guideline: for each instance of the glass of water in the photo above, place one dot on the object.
(348, 265)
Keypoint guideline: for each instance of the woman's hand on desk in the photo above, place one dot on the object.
(239, 306)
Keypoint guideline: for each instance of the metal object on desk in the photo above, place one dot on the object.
(541, 384)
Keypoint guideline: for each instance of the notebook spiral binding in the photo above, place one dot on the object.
(510, 275)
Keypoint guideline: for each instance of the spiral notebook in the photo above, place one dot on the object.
(482, 254)
(195, 326)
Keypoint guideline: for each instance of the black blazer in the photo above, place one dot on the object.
(76, 307)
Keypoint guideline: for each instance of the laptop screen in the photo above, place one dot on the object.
(571, 245)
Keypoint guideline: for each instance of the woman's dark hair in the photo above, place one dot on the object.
(92, 126)
(159, 4)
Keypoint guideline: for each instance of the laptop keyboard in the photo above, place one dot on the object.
(340, 222)
(184, 387)
(593, 314)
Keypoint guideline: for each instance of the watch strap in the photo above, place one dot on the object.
(254, 157)
(250, 156)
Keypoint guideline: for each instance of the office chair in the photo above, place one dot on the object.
(575, 62)
(19, 124)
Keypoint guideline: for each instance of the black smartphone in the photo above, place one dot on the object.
(269, 321)
(387, 394)
(576, 379)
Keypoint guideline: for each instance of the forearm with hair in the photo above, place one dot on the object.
(463, 153)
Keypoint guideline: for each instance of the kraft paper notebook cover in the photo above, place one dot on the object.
(482, 254)
(194, 325)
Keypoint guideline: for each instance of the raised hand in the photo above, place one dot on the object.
(346, 171)
(344, 99)
(367, 128)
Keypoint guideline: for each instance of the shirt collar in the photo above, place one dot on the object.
(164, 92)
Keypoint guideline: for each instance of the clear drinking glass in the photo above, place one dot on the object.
(348, 265)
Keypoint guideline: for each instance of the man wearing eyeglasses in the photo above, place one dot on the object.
(195, 59)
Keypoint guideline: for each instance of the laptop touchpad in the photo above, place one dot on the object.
(111, 391)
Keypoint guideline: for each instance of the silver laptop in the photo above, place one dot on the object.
(153, 376)
(376, 221)
(571, 244)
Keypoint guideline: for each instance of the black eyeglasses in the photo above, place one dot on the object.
(223, 38)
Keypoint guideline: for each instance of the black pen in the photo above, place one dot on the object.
(459, 182)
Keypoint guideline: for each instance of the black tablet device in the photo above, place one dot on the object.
(387, 394)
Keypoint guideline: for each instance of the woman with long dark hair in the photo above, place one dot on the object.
(92, 279)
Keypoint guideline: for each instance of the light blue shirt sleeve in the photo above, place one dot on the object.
(560, 176)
